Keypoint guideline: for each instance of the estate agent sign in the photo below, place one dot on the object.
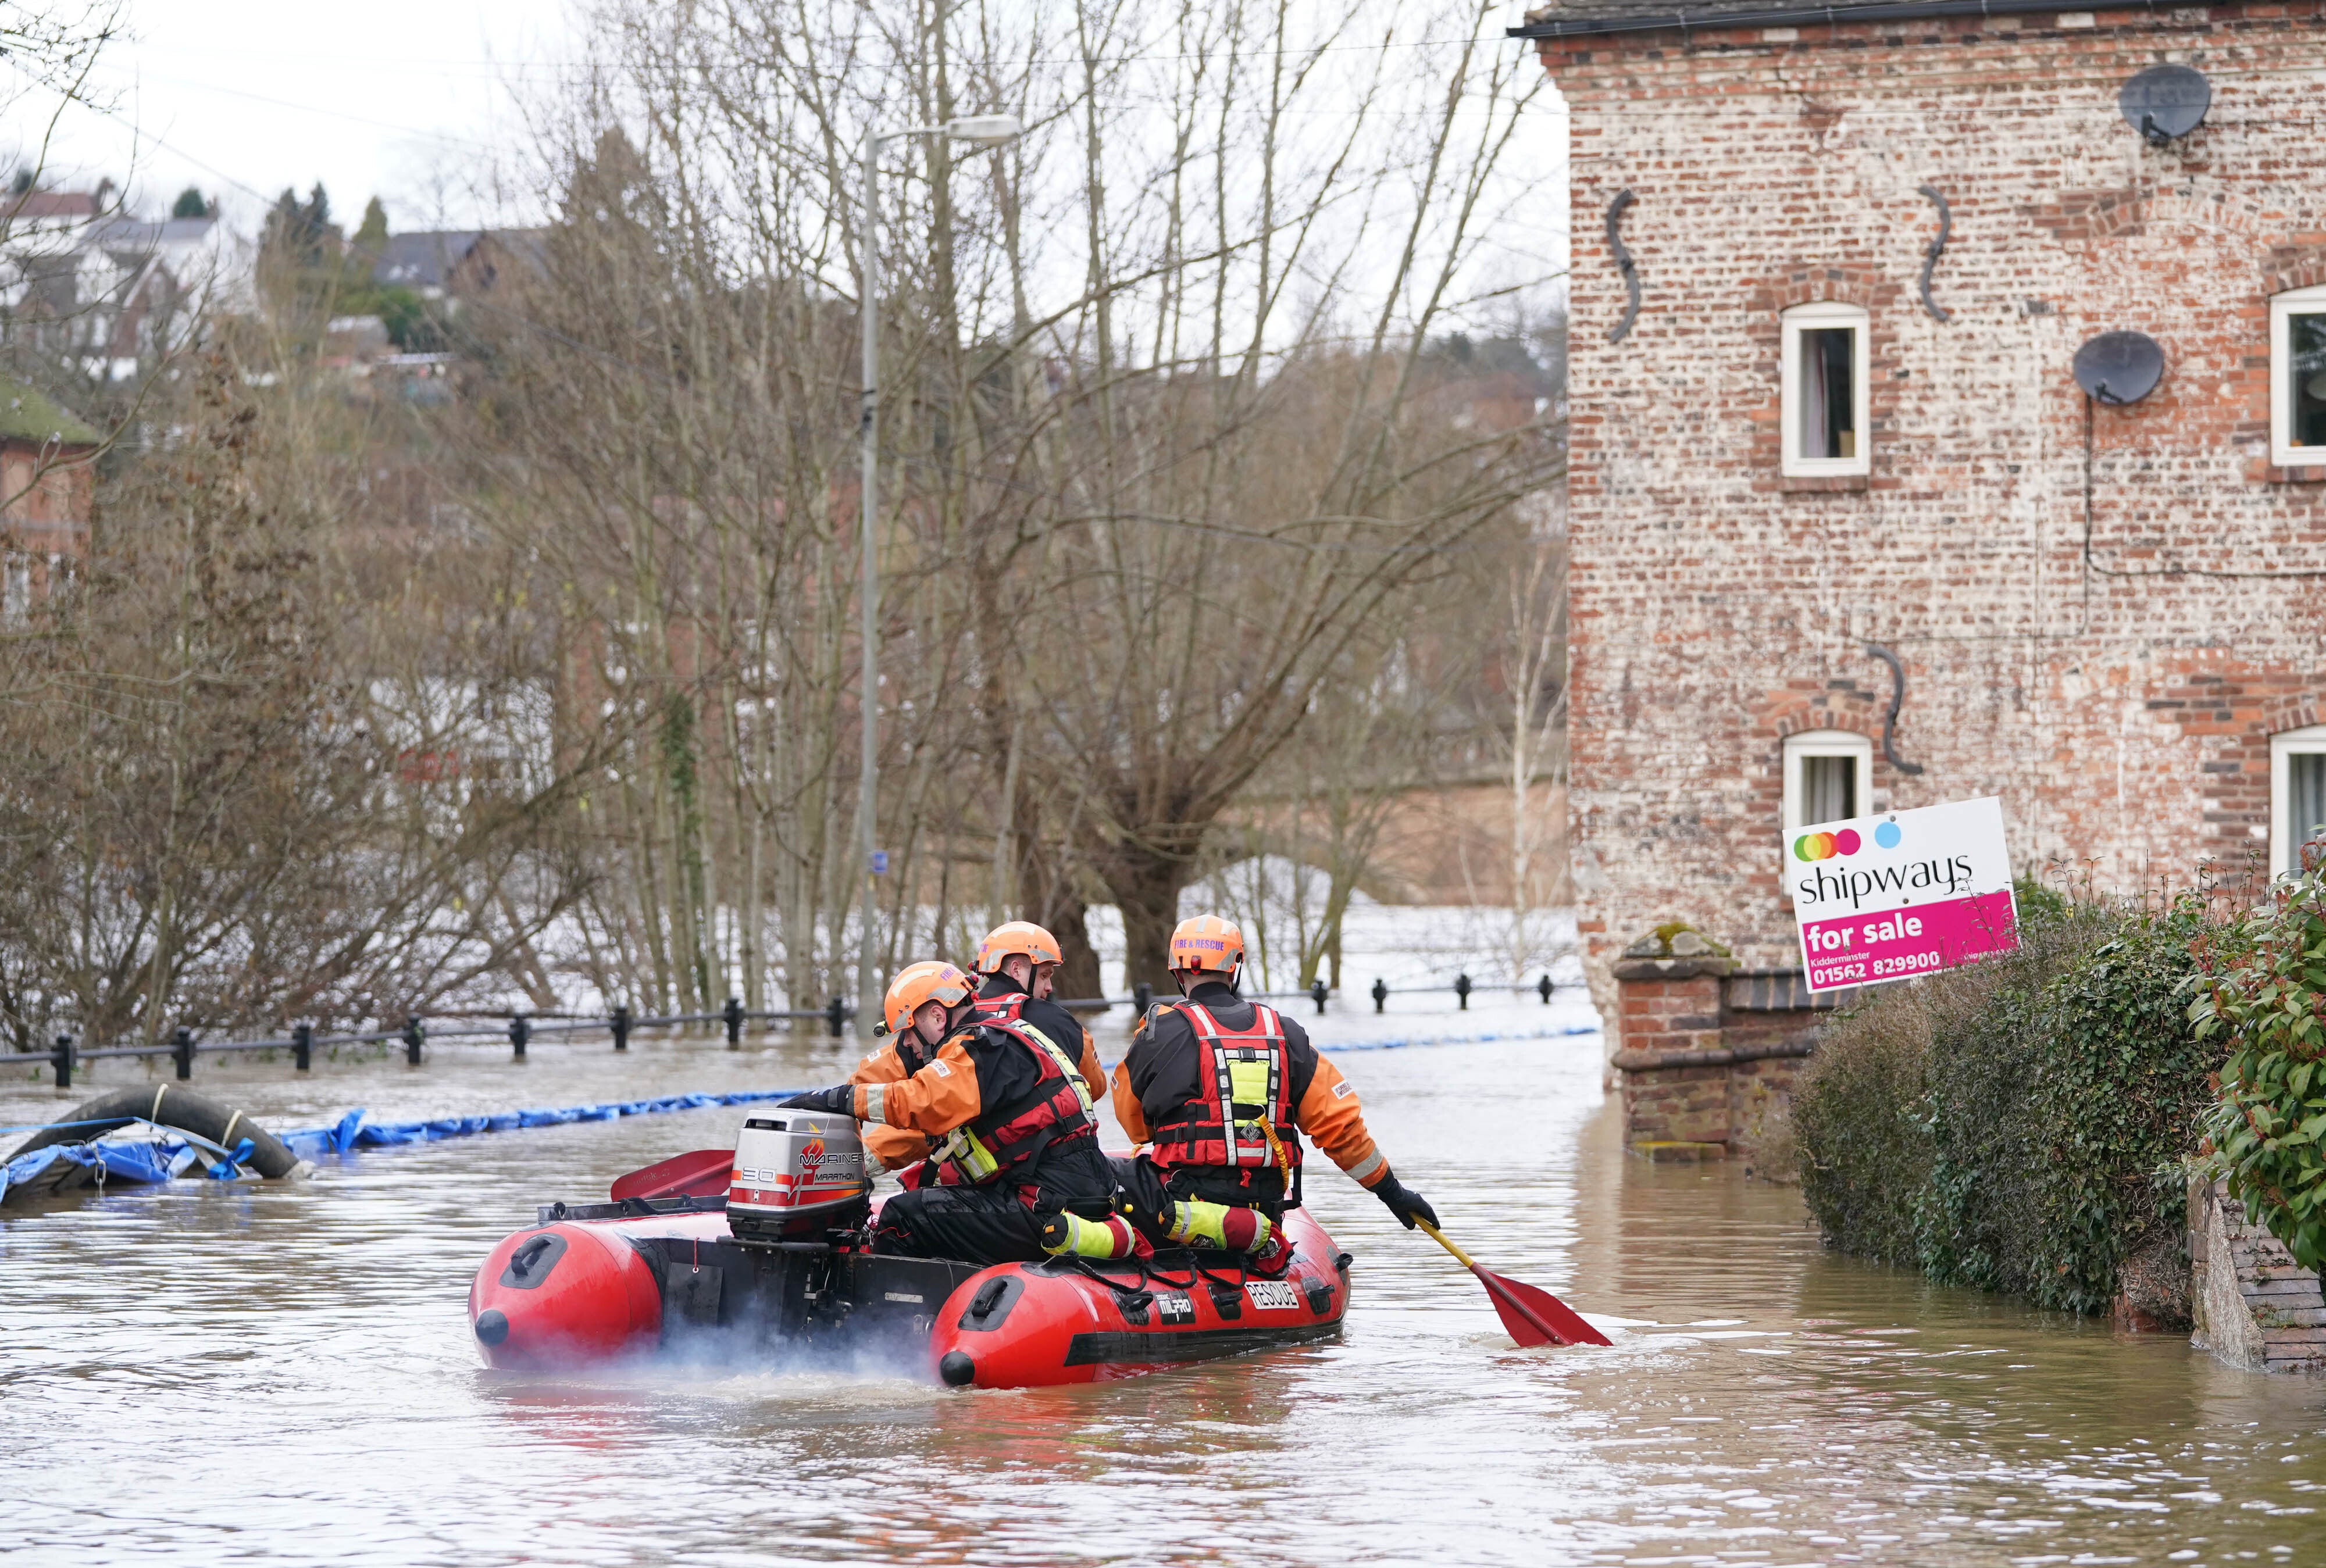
(1900, 895)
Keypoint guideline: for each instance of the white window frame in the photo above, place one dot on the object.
(2282, 308)
(2285, 835)
(1817, 317)
(1811, 743)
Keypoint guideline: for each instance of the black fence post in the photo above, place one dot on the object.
(302, 1046)
(181, 1046)
(413, 1035)
(1542, 988)
(1142, 996)
(1380, 994)
(520, 1031)
(1462, 990)
(733, 1013)
(63, 1059)
(1318, 993)
(836, 1015)
(622, 1022)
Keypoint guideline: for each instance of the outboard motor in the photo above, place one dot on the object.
(797, 1176)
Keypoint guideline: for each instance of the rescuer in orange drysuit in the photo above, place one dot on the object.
(1223, 1088)
(1018, 961)
(1012, 1136)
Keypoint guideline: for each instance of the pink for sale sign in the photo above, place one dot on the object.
(1904, 893)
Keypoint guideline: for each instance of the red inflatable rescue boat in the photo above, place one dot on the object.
(780, 1262)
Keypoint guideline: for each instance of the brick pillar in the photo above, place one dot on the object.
(1672, 1071)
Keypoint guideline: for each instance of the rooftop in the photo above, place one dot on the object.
(26, 415)
(47, 204)
(1571, 18)
(421, 260)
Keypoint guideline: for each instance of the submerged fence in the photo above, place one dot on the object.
(415, 1033)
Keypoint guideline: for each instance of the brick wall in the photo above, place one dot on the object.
(1705, 1058)
(2082, 666)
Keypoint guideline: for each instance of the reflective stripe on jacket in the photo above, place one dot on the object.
(895, 1148)
(1038, 1098)
(1242, 1112)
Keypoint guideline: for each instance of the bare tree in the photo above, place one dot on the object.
(222, 806)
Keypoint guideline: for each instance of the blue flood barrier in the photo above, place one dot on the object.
(1571, 1029)
(150, 1159)
(354, 1131)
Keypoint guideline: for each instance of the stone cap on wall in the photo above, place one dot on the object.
(1674, 950)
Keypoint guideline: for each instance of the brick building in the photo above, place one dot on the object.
(44, 497)
(1812, 433)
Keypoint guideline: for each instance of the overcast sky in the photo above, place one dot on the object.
(410, 102)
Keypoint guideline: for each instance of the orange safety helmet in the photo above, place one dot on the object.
(1016, 936)
(1207, 942)
(917, 985)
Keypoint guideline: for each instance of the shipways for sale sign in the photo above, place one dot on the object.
(1900, 895)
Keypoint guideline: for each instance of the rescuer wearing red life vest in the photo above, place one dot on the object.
(1017, 960)
(1223, 1088)
(1011, 1131)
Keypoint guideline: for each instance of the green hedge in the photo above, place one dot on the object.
(2262, 995)
(2017, 1125)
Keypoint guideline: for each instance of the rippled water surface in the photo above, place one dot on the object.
(281, 1372)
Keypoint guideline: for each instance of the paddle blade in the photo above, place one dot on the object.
(1536, 1317)
(703, 1174)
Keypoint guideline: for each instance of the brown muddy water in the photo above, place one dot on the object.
(284, 1373)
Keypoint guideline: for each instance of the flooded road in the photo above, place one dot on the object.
(284, 1373)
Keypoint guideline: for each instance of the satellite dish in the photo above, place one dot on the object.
(2165, 102)
(2119, 366)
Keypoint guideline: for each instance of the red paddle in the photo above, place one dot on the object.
(1533, 1317)
(703, 1174)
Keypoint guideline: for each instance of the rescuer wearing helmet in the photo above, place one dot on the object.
(1223, 1087)
(1012, 1134)
(1017, 960)
(907, 1051)
(1020, 960)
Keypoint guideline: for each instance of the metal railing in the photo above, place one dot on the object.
(522, 1028)
(1142, 996)
(416, 1034)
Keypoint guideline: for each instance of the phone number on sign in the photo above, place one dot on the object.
(1878, 969)
(1861, 967)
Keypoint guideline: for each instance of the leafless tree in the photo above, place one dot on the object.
(225, 804)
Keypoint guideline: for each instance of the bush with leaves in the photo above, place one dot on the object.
(2262, 994)
(2003, 1126)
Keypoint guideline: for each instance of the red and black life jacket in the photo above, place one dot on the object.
(998, 1146)
(1244, 1091)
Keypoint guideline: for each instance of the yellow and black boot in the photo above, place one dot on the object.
(1064, 1233)
(1230, 1228)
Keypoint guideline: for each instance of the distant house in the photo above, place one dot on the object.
(110, 293)
(422, 262)
(28, 211)
(44, 496)
(452, 263)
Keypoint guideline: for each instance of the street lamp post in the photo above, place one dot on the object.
(981, 131)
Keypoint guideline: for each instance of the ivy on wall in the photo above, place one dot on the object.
(2261, 996)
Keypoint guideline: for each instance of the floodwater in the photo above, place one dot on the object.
(284, 1373)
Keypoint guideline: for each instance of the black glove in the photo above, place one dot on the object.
(1404, 1203)
(840, 1102)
